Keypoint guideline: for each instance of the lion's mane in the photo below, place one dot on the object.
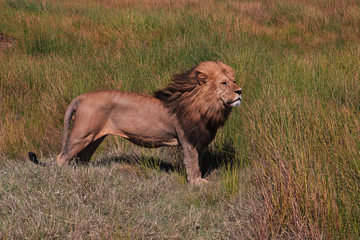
(198, 110)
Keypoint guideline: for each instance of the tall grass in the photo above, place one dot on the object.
(287, 163)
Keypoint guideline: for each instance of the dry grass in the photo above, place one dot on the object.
(115, 200)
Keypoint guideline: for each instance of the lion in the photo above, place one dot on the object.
(187, 113)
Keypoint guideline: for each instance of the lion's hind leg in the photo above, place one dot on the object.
(72, 148)
(88, 151)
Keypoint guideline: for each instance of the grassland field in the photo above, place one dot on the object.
(285, 166)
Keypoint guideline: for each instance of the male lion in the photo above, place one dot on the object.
(187, 113)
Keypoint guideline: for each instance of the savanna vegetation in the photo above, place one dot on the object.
(285, 166)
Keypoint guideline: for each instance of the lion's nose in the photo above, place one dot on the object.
(239, 91)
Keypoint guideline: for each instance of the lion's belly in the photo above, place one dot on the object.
(148, 141)
(145, 123)
(151, 142)
(146, 136)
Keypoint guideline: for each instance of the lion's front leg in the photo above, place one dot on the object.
(192, 164)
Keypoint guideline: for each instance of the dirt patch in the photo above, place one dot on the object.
(6, 42)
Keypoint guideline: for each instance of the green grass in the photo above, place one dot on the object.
(286, 165)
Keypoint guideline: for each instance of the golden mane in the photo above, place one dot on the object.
(199, 111)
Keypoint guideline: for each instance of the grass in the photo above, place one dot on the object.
(285, 166)
(114, 200)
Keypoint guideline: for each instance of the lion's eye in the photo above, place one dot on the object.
(225, 83)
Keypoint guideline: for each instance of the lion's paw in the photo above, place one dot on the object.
(199, 182)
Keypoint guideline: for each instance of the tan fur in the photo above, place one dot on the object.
(187, 113)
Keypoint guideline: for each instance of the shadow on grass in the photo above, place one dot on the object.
(212, 157)
(215, 157)
(141, 160)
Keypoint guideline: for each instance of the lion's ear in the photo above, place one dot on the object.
(201, 77)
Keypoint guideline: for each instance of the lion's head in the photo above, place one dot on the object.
(202, 99)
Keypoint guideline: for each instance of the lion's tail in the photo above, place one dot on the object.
(67, 119)
(33, 158)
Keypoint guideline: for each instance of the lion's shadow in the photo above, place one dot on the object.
(216, 156)
(213, 158)
(138, 160)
